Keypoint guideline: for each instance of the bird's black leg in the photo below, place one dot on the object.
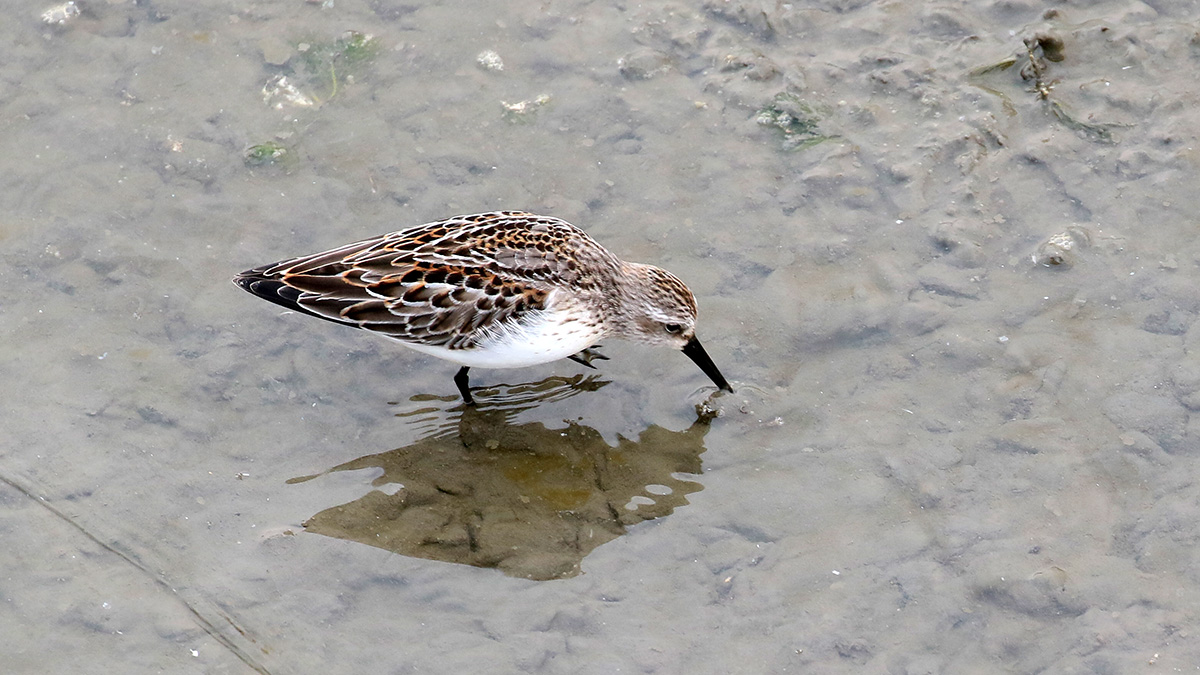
(462, 380)
(588, 355)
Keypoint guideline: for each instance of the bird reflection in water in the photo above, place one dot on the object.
(532, 501)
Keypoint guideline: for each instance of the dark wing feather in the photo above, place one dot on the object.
(444, 283)
(514, 244)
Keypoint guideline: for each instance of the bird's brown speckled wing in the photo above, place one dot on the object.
(445, 283)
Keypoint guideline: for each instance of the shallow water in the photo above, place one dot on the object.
(945, 454)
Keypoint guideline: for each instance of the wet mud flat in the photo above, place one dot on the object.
(945, 253)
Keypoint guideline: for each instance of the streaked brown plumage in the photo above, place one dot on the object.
(501, 289)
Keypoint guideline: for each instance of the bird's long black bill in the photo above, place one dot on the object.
(697, 354)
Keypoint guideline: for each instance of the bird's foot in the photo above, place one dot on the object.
(588, 355)
(464, 385)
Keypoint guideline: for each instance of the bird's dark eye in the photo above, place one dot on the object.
(673, 328)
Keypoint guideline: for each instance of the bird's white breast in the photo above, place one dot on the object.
(544, 336)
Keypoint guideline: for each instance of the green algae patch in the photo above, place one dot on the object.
(797, 122)
(327, 64)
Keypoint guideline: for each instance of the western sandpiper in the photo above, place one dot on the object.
(494, 290)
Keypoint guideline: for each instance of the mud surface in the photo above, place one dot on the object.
(945, 252)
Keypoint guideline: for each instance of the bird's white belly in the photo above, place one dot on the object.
(551, 336)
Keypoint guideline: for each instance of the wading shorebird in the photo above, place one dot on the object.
(494, 290)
